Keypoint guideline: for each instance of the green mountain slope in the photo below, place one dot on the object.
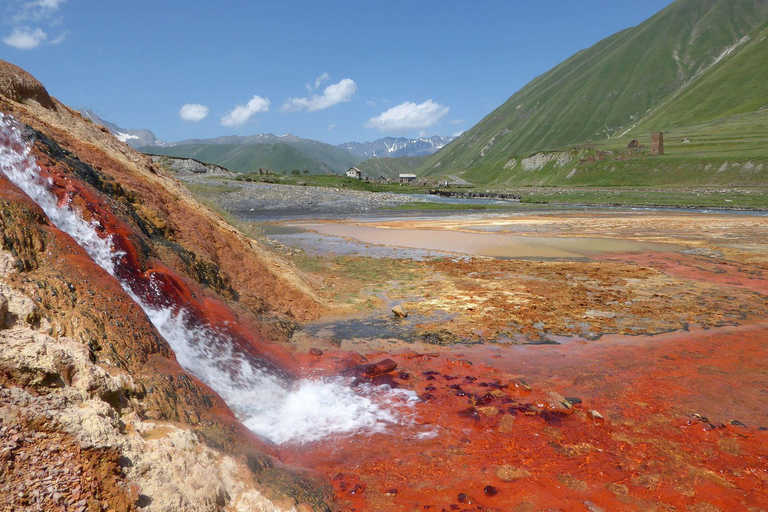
(391, 167)
(333, 157)
(246, 158)
(738, 84)
(602, 91)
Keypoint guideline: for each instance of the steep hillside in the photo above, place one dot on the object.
(97, 242)
(246, 158)
(391, 167)
(601, 91)
(735, 85)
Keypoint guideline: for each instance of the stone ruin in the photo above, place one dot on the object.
(657, 143)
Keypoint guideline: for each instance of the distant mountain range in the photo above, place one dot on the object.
(277, 152)
(391, 147)
(134, 138)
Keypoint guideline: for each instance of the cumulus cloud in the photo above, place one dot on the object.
(24, 38)
(193, 112)
(26, 17)
(332, 95)
(408, 116)
(242, 113)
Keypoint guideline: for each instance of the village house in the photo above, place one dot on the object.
(407, 178)
(354, 172)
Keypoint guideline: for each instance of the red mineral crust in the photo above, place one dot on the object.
(158, 285)
(619, 431)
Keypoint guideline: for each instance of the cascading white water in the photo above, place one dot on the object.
(304, 411)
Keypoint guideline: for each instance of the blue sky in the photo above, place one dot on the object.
(334, 70)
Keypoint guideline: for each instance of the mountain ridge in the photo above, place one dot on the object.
(600, 91)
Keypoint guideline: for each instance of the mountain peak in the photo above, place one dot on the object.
(393, 147)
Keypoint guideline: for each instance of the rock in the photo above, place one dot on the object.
(315, 352)
(399, 312)
(380, 368)
(18, 85)
(633, 144)
(596, 416)
(509, 473)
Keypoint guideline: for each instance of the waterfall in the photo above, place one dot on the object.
(302, 411)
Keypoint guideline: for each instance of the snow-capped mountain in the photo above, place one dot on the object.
(134, 138)
(391, 147)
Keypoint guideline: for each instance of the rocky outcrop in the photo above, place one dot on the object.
(190, 166)
(81, 365)
(18, 85)
(74, 436)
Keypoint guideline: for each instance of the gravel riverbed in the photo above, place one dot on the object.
(255, 197)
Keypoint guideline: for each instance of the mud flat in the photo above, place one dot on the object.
(484, 244)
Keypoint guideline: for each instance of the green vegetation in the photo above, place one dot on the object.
(694, 198)
(391, 167)
(306, 155)
(333, 181)
(670, 73)
(245, 158)
(736, 85)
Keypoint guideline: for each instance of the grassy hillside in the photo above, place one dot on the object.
(391, 167)
(333, 157)
(247, 158)
(602, 91)
(738, 84)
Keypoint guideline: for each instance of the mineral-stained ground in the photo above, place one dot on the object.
(615, 381)
(626, 381)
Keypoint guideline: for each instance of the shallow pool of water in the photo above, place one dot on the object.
(487, 244)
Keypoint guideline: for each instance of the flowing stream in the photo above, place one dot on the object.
(303, 411)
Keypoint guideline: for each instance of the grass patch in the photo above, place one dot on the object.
(329, 181)
(755, 199)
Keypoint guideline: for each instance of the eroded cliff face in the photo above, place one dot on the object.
(84, 373)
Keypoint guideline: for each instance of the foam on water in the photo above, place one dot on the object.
(303, 411)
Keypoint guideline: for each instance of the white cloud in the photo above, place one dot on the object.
(408, 116)
(193, 112)
(242, 113)
(332, 95)
(331, 127)
(24, 38)
(458, 134)
(458, 121)
(22, 13)
(370, 103)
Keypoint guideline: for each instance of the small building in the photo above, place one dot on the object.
(265, 171)
(355, 173)
(657, 143)
(407, 178)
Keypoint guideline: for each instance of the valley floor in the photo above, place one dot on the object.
(621, 365)
(623, 380)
